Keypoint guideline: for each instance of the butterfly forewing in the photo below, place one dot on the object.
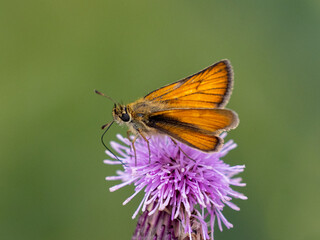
(209, 88)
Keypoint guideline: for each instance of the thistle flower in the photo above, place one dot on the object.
(184, 188)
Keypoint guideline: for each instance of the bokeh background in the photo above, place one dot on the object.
(54, 53)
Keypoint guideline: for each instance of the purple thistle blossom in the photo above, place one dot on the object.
(192, 185)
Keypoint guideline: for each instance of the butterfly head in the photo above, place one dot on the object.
(121, 114)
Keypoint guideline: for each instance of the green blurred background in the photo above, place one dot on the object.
(54, 53)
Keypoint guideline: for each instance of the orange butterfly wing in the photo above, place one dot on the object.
(197, 128)
(198, 140)
(209, 88)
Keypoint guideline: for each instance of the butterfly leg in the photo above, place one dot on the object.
(144, 137)
(132, 144)
(128, 135)
(174, 141)
(134, 149)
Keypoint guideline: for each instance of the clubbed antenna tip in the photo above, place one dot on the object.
(96, 91)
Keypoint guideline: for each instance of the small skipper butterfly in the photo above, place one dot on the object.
(190, 110)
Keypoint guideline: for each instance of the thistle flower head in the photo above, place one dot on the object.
(190, 185)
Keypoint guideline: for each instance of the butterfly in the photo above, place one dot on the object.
(190, 111)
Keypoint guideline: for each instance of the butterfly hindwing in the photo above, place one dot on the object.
(198, 128)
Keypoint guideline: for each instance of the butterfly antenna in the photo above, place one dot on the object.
(107, 126)
(103, 95)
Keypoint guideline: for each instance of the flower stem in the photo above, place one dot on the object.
(159, 226)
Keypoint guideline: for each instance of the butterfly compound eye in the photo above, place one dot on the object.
(125, 117)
